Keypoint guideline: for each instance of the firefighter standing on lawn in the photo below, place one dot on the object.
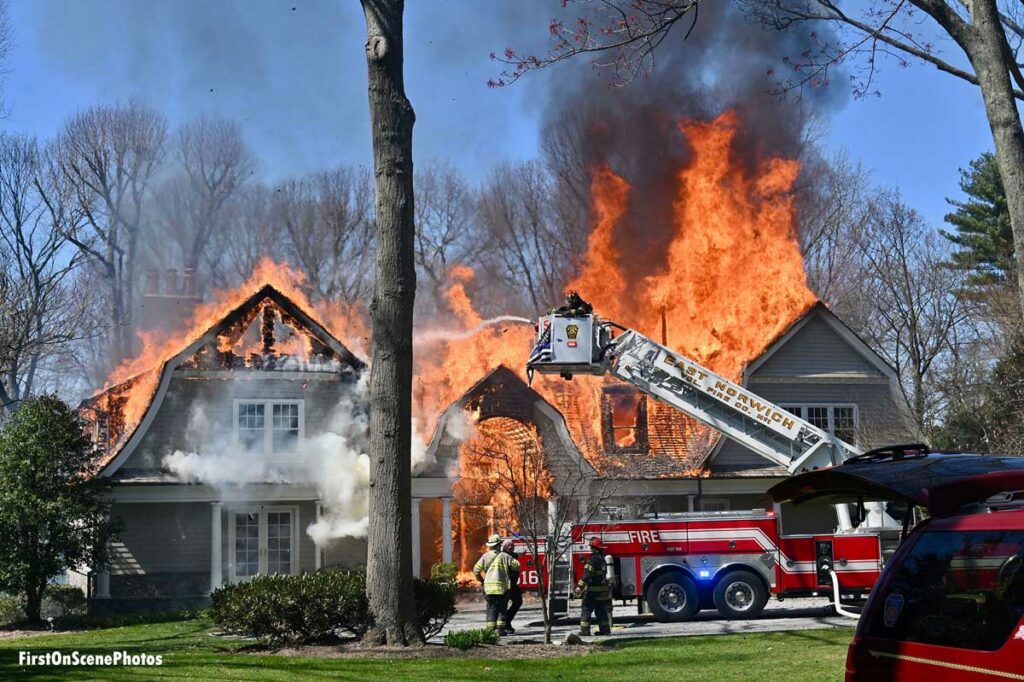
(494, 570)
(596, 590)
(515, 593)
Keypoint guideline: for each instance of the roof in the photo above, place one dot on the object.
(680, 447)
(942, 482)
(842, 329)
(821, 311)
(499, 393)
(502, 392)
(160, 376)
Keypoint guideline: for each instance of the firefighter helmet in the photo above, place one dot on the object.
(494, 542)
(596, 543)
(508, 546)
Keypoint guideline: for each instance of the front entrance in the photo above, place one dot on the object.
(263, 541)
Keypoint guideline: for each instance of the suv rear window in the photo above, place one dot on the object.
(955, 588)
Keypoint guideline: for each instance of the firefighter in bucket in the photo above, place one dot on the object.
(595, 586)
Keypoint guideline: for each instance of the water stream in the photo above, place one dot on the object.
(448, 335)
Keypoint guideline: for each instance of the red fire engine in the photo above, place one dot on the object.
(732, 561)
(729, 560)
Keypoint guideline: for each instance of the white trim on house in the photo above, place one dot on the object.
(170, 491)
(268, 423)
(262, 511)
(188, 492)
(831, 407)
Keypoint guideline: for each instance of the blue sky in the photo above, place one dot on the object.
(293, 73)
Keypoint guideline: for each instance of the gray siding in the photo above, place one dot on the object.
(163, 549)
(817, 366)
(817, 350)
(191, 398)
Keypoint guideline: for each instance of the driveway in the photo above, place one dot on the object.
(792, 614)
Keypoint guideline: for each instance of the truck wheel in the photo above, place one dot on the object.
(672, 598)
(740, 595)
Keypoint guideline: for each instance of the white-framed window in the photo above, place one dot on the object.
(270, 426)
(262, 540)
(840, 420)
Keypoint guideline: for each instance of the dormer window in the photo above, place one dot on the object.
(838, 420)
(270, 426)
(624, 419)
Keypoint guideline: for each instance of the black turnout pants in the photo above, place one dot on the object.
(515, 600)
(497, 605)
(600, 609)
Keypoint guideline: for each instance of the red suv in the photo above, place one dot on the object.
(949, 606)
(950, 603)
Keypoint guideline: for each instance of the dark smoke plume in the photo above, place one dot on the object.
(726, 63)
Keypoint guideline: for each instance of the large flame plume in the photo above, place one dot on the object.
(730, 282)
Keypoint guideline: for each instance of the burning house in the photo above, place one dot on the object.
(223, 450)
(238, 447)
(644, 457)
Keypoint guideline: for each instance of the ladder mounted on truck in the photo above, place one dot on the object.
(570, 344)
(573, 340)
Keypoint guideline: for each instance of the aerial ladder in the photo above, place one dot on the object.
(573, 340)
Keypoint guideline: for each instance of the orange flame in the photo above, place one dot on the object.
(732, 280)
(135, 379)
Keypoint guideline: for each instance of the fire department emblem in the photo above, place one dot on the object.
(571, 330)
(893, 609)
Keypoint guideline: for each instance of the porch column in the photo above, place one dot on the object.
(102, 585)
(552, 515)
(318, 552)
(446, 529)
(216, 561)
(416, 537)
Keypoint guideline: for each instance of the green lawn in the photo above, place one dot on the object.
(190, 653)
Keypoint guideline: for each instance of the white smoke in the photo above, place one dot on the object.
(334, 461)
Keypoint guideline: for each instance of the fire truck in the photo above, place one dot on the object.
(733, 561)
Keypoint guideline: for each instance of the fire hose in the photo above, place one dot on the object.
(835, 594)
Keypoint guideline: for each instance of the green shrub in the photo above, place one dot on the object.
(317, 606)
(60, 601)
(304, 608)
(10, 609)
(435, 604)
(467, 639)
(444, 572)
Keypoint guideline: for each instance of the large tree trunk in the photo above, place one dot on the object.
(987, 51)
(389, 556)
(34, 603)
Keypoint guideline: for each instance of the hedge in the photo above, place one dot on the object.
(317, 607)
(60, 602)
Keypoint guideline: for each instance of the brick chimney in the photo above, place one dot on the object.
(168, 308)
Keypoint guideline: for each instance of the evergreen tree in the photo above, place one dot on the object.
(982, 225)
(53, 512)
(994, 420)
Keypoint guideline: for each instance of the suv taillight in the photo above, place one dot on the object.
(851, 659)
